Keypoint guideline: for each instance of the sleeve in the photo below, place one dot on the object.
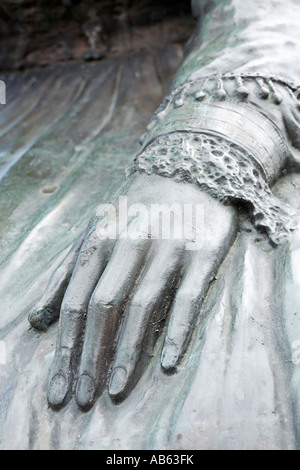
(231, 133)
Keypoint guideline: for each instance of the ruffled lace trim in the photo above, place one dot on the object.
(224, 170)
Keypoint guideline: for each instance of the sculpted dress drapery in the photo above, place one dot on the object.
(229, 126)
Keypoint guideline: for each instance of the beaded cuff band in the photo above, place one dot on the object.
(228, 86)
(223, 169)
(227, 106)
(223, 86)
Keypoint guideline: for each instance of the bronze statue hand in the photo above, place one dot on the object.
(114, 296)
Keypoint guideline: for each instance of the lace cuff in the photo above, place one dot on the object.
(223, 169)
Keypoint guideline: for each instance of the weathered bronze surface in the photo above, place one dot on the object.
(157, 346)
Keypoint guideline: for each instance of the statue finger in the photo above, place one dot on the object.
(145, 315)
(48, 308)
(201, 271)
(91, 262)
(104, 316)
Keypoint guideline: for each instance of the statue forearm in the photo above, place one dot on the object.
(249, 114)
(237, 80)
(238, 36)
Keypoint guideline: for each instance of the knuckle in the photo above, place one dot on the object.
(90, 246)
(86, 254)
(70, 308)
(103, 300)
(142, 301)
(188, 296)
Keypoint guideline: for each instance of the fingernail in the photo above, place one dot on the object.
(118, 381)
(35, 318)
(85, 391)
(58, 390)
(170, 359)
(41, 318)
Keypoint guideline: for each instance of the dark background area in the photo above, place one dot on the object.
(40, 32)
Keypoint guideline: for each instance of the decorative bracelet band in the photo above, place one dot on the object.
(230, 85)
(241, 123)
(221, 168)
(200, 105)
